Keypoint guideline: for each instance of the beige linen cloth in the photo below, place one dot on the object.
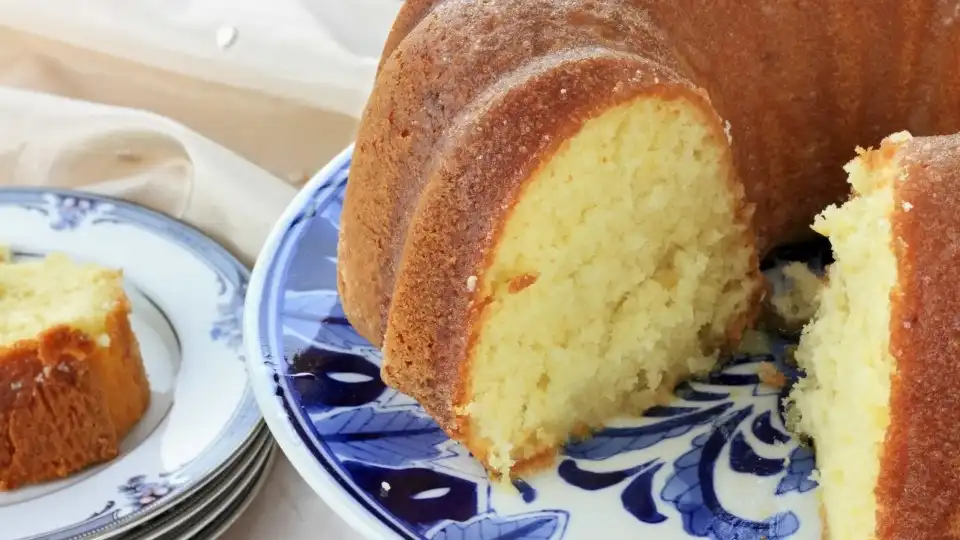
(232, 181)
(152, 159)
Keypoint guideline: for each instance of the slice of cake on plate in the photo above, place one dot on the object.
(72, 381)
(882, 354)
(620, 267)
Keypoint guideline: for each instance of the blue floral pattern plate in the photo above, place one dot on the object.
(716, 463)
(187, 294)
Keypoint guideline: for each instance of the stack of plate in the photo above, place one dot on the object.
(201, 452)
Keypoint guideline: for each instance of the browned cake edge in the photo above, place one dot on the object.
(918, 491)
(445, 194)
(429, 334)
(429, 91)
(791, 128)
(409, 16)
(59, 411)
(442, 153)
(123, 371)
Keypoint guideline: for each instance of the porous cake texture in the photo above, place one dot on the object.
(610, 281)
(72, 381)
(556, 207)
(879, 397)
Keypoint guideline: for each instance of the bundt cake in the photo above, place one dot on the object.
(556, 207)
(883, 348)
(72, 382)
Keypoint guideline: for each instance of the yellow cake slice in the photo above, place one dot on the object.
(72, 381)
(608, 284)
(593, 279)
(882, 354)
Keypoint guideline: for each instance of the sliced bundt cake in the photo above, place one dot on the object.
(72, 382)
(880, 396)
(552, 261)
(556, 207)
(605, 285)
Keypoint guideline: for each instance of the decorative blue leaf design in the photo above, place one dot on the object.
(391, 438)
(691, 490)
(433, 499)
(527, 492)
(764, 430)
(801, 464)
(660, 411)
(331, 212)
(327, 379)
(420, 496)
(72, 210)
(535, 526)
(594, 481)
(638, 498)
(744, 459)
(227, 326)
(318, 315)
(613, 441)
(141, 493)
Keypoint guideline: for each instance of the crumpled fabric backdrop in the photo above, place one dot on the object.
(212, 112)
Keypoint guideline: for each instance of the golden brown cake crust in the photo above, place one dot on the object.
(66, 403)
(918, 492)
(458, 78)
(472, 96)
(432, 182)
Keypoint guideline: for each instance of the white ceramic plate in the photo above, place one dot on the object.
(232, 504)
(215, 528)
(187, 294)
(717, 463)
(211, 502)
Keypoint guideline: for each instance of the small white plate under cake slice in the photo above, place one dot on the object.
(187, 295)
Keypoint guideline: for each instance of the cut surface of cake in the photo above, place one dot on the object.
(879, 396)
(607, 285)
(578, 282)
(556, 207)
(72, 381)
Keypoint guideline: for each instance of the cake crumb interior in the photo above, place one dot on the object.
(842, 402)
(633, 265)
(39, 294)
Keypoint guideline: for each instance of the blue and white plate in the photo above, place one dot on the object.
(717, 463)
(187, 295)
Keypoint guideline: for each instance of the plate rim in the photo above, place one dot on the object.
(235, 511)
(225, 485)
(286, 430)
(252, 448)
(247, 411)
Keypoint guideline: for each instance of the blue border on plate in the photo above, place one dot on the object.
(270, 328)
(143, 497)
